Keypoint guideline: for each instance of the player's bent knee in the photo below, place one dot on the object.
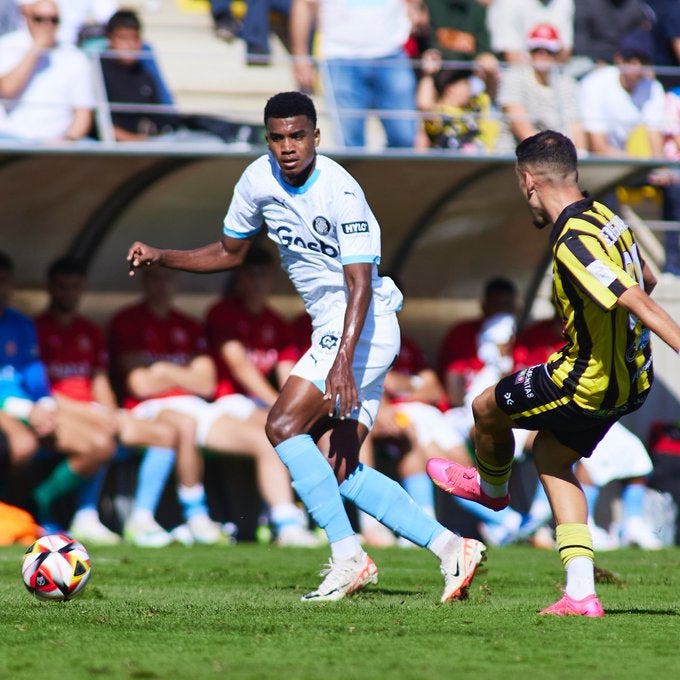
(279, 428)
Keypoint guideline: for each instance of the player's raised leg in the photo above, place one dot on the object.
(494, 452)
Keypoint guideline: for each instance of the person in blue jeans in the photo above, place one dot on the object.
(254, 29)
(226, 27)
(364, 67)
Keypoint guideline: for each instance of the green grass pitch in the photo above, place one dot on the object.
(234, 612)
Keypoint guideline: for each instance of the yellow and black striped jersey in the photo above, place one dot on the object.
(606, 363)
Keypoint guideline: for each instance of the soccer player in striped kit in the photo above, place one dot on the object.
(604, 370)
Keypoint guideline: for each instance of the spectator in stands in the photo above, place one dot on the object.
(599, 26)
(33, 417)
(666, 34)
(10, 18)
(510, 21)
(539, 95)
(132, 79)
(128, 81)
(82, 19)
(459, 32)
(454, 117)
(254, 351)
(364, 65)
(50, 86)
(625, 114)
(73, 350)
(623, 105)
(253, 28)
(226, 27)
(166, 370)
(668, 179)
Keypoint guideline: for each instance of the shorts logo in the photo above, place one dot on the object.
(355, 227)
(528, 391)
(321, 225)
(508, 398)
(329, 341)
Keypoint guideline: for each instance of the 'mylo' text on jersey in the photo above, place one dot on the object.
(355, 227)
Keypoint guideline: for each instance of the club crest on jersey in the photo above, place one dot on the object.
(360, 227)
(329, 341)
(321, 225)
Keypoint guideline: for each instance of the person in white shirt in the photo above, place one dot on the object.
(510, 21)
(329, 243)
(617, 101)
(47, 88)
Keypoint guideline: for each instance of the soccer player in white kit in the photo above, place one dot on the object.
(329, 243)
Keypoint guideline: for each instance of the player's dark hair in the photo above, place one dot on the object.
(288, 105)
(499, 284)
(548, 148)
(6, 262)
(65, 265)
(124, 18)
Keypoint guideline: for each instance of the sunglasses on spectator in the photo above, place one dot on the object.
(54, 20)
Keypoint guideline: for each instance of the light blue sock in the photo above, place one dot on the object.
(421, 490)
(88, 498)
(315, 484)
(153, 474)
(591, 493)
(484, 514)
(193, 500)
(382, 498)
(632, 500)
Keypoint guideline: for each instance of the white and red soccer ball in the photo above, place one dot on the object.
(55, 567)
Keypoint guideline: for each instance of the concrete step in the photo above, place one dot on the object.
(203, 72)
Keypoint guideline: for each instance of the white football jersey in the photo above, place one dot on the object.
(318, 228)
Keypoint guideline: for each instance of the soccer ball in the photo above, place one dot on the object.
(55, 567)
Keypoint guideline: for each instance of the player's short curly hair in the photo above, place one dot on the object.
(548, 148)
(289, 104)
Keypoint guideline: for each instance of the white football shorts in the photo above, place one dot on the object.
(376, 351)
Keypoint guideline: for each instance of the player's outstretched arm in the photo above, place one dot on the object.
(654, 317)
(224, 254)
